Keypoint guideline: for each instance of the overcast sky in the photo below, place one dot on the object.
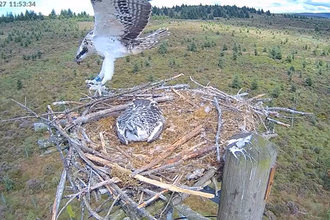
(275, 6)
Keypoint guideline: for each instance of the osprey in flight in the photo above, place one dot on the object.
(118, 25)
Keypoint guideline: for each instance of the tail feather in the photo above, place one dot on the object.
(150, 40)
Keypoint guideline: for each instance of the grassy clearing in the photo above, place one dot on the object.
(299, 80)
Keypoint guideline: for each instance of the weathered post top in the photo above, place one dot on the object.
(249, 161)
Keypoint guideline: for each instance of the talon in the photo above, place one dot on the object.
(97, 86)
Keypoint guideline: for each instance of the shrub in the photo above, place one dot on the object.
(8, 182)
(308, 81)
(235, 49)
(136, 68)
(162, 48)
(192, 47)
(19, 84)
(275, 53)
(275, 93)
(234, 56)
(224, 47)
(288, 59)
(147, 63)
(221, 63)
(254, 84)
(236, 83)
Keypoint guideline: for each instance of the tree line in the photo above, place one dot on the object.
(207, 11)
(31, 15)
(178, 12)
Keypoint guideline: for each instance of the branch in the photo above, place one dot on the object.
(217, 137)
(104, 113)
(278, 122)
(59, 194)
(287, 110)
(170, 149)
(147, 180)
(207, 176)
(155, 197)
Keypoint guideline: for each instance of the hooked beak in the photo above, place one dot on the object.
(77, 61)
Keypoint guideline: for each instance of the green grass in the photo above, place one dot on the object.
(304, 150)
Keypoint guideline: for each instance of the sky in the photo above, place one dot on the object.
(275, 6)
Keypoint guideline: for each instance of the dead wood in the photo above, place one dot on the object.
(171, 148)
(147, 180)
(101, 114)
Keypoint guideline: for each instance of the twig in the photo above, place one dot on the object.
(184, 153)
(59, 194)
(136, 211)
(66, 103)
(149, 201)
(124, 153)
(152, 193)
(100, 114)
(157, 170)
(199, 152)
(278, 122)
(207, 176)
(147, 180)
(184, 98)
(103, 143)
(170, 149)
(287, 110)
(111, 207)
(217, 137)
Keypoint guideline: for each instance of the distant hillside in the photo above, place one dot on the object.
(316, 15)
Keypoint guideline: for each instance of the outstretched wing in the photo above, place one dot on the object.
(122, 18)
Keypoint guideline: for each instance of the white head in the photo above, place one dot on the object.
(86, 48)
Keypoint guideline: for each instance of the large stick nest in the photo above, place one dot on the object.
(198, 121)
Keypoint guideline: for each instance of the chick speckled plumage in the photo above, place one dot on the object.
(141, 121)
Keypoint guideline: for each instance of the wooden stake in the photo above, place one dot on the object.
(245, 178)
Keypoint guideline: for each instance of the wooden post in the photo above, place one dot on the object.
(247, 178)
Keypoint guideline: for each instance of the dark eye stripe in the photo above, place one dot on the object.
(84, 50)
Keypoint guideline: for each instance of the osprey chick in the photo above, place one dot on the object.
(141, 121)
(118, 25)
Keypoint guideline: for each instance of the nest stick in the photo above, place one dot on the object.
(59, 194)
(199, 152)
(103, 143)
(124, 153)
(126, 200)
(90, 210)
(287, 110)
(278, 122)
(67, 203)
(172, 187)
(184, 153)
(147, 180)
(207, 176)
(66, 103)
(100, 114)
(170, 149)
(155, 197)
(217, 136)
(164, 167)
(152, 193)
(111, 207)
(132, 90)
